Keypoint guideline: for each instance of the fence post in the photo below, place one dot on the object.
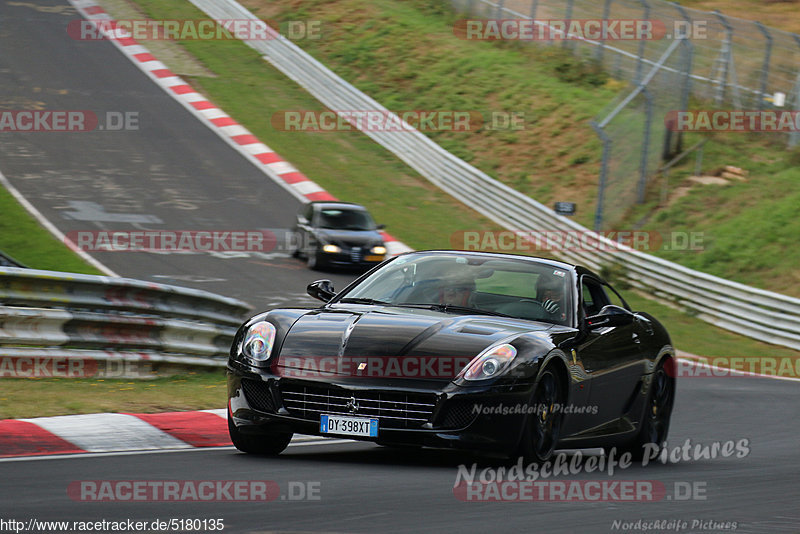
(648, 120)
(794, 135)
(498, 13)
(601, 187)
(726, 57)
(765, 66)
(568, 17)
(640, 53)
(602, 46)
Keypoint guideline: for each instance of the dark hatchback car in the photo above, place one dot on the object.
(489, 352)
(338, 234)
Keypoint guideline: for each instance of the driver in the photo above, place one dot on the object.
(550, 292)
(457, 292)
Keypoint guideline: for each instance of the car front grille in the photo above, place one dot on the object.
(258, 395)
(356, 254)
(458, 414)
(393, 409)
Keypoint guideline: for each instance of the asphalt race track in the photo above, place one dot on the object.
(176, 171)
(359, 487)
(173, 173)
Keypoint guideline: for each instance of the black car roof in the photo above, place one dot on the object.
(338, 204)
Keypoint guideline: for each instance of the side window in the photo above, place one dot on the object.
(594, 297)
(614, 298)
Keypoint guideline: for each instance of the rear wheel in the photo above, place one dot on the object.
(272, 444)
(658, 411)
(543, 427)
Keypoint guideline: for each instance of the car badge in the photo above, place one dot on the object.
(362, 366)
(352, 405)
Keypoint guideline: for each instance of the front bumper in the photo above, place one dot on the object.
(459, 417)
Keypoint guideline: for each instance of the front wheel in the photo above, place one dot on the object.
(543, 426)
(271, 444)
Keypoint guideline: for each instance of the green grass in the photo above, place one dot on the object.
(25, 240)
(41, 397)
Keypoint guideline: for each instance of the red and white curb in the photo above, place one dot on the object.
(118, 432)
(237, 136)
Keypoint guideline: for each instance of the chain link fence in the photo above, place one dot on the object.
(724, 62)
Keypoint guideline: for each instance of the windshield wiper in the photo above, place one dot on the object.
(454, 308)
(363, 300)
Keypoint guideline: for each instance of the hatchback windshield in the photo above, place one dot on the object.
(344, 219)
(460, 283)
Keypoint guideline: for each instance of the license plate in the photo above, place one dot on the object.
(373, 258)
(348, 426)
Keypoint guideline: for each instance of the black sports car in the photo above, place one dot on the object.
(489, 352)
(338, 234)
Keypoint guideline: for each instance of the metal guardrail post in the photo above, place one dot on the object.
(765, 66)
(534, 9)
(601, 186)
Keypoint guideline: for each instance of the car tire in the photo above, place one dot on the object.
(313, 262)
(542, 427)
(269, 444)
(658, 412)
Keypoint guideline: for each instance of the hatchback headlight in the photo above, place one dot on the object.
(331, 249)
(259, 340)
(379, 249)
(489, 363)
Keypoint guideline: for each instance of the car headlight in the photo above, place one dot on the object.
(331, 249)
(259, 340)
(379, 249)
(489, 363)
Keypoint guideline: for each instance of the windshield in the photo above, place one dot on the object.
(344, 219)
(519, 288)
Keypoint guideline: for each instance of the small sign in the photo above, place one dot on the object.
(564, 208)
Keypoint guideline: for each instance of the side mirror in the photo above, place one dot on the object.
(321, 290)
(381, 226)
(301, 220)
(609, 316)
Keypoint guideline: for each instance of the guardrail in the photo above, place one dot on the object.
(756, 313)
(62, 324)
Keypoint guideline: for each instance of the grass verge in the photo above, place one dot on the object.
(41, 397)
(25, 240)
